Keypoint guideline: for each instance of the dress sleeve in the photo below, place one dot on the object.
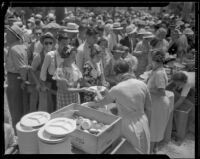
(44, 69)
(160, 80)
(185, 90)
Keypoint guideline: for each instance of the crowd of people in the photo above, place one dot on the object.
(50, 65)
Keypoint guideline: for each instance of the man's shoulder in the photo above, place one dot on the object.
(17, 48)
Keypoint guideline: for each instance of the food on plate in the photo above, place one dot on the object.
(86, 124)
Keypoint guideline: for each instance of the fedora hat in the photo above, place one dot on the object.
(131, 29)
(117, 26)
(149, 36)
(72, 28)
(118, 49)
(47, 35)
(144, 32)
(16, 30)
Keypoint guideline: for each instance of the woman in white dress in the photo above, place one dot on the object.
(133, 102)
(161, 104)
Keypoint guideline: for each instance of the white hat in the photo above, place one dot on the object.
(72, 28)
(131, 29)
(188, 31)
(117, 26)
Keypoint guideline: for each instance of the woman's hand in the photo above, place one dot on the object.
(106, 84)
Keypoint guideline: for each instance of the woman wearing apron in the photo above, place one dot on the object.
(133, 102)
(51, 62)
(161, 104)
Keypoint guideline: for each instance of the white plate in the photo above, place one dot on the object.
(44, 136)
(60, 126)
(98, 88)
(35, 119)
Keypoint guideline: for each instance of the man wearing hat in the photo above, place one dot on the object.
(110, 76)
(142, 52)
(38, 20)
(84, 49)
(17, 68)
(72, 31)
(130, 40)
(115, 36)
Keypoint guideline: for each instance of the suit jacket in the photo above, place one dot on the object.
(126, 42)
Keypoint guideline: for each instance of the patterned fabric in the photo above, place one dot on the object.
(93, 77)
(72, 75)
(65, 98)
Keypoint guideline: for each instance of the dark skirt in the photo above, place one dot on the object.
(15, 97)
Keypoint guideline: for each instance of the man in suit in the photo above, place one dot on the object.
(130, 39)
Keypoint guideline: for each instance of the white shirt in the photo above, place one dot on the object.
(50, 64)
(189, 84)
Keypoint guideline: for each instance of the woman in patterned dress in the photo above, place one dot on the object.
(68, 77)
(93, 73)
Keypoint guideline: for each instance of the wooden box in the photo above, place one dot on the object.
(89, 143)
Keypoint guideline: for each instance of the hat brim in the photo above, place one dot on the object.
(149, 37)
(118, 51)
(132, 32)
(120, 28)
(71, 31)
(14, 33)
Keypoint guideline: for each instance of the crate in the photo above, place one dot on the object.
(181, 120)
(89, 143)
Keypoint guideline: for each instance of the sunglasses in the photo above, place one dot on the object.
(48, 43)
(38, 33)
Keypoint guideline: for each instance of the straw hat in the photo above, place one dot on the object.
(16, 30)
(117, 26)
(72, 28)
(47, 35)
(131, 29)
(149, 36)
(188, 31)
(144, 32)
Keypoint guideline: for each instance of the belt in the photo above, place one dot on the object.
(13, 73)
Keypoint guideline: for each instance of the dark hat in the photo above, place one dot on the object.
(16, 30)
(47, 35)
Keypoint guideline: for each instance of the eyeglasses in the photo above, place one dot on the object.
(48, 43)
(38, 33)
